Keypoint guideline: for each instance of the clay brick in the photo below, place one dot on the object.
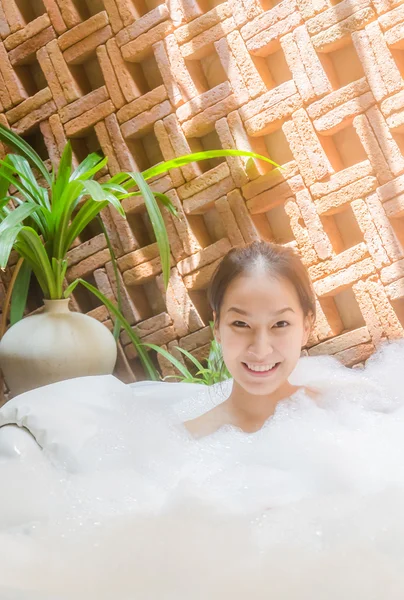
(342, 342)
(86, 249)
(383, 225)
(267, 41)
(80, 124)
(380, 312)
(268, 19)
(393, 17)
(179, 70)
(251, 77)
(110, 78)
(270, 180)
(81, 51)
(341, 179)
(12, 83)
(317, 157)
(341, 116)
(231, 68)
(229, 222)
(29, 105)
(179, 305)
(392, 272)
(242, 216)
(319, 239)
(235, 163)
(107, 147)
(309, 8)
(67, 81)
(190, 243)
(167, 151)
(271, 119)
(163, 63)
(394, 37)
(355, 355)
(202, 123)
(391, 189)
(271, 198)
(139, 48)
(33, 118)
(339, 262)
(197, 339)
(204, 181)
(145, 103)
(203, 23)
(27, 32)
(370, 234)
(148, 327)
(181, 146)
(335, 99)
(84, 104)
(204, 257)
(203, 101)
(114, 16)
(83, 30)
(332, 202)
(88, 265)
(298, 150)
(200, 279)
(335, 37)
(199, 46)
(373, 150)
(297, 67)
(201, 202)
(24, 52)
(142, 25)
(58, 132)
(50, 142)
(339, 281)
(13, 16)
(141, 124)
(335, 14)
(70, 14)
(138, 257)
(51, 78)
(143, 272)
(395, 290)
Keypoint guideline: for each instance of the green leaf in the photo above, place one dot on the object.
(41, 260)
(85, 215)
(98, 194)
(20, 293)
(15, 141)
(7, 240)
(117, 324)
(89, 167)
(197, 156)
(17, 216)
(157, 222)
(177, 364)
(191, 358)
(165, 200)
(144, 358)
(24, 171)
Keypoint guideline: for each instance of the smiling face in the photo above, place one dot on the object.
(261, 329)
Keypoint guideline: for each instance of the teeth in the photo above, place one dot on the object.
(260, 368)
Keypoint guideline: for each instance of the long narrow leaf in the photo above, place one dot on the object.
(194, 360)
(117, 325)
(20, 293)
(7, 241)
(84, 216)
(24, 171)
(35, 244)
(157, 222)
(177, 364)
(17, 216)
(15, 141)
(144, 358)
(98, 194)
(197, 156)
(89, 167)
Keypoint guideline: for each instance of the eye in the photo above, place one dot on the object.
(281, 324)
(239, 324)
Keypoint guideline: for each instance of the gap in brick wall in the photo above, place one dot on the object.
(82, 146)
(398, 57)
(263, 227)
(29, 9)
(145, 150)
(214, 225)
(90, 231)
(154, 297)
(137, 368)
(398, 307)
(151, 74)
(342, 229)
(86, 301)
(398, 227)
(348, 309)
(399, 139)
(278, 147)
(141, 227)
(279, 223)
(207, 72)
(342, 66)
(273, 69)
(31, 77)
(209, 141)
(88, 75)
(199, 299)
(268, 4)
(88, 8)
(142, 7)
(207, 5)
(140, 300)
(344, 149)
(137, 74)
(35, 139)
(198, 227)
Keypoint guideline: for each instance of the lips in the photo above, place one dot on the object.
(261, 370)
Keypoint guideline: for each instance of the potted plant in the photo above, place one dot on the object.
(41, 222)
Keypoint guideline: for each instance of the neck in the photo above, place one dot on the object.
(251, 411)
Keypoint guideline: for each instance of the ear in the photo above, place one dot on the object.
(308, 324)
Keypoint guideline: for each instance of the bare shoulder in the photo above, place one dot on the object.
(313, 393)
(207, 423)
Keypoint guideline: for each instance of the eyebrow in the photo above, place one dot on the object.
(244, 313)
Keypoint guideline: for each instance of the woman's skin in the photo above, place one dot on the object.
(261, 326)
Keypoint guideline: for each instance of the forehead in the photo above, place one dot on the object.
(256, 292)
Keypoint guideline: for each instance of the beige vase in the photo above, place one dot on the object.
(55, 345)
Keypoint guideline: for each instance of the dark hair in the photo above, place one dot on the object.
(280, 261)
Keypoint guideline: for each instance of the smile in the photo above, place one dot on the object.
(260, 370)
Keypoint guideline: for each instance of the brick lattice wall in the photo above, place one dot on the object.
(314, 84)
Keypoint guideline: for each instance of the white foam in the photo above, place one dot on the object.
(309, 507)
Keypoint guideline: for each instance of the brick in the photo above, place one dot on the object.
(51, 78)
(114, 16)
(355, 355)
(383, 225)
(12, 83)
(268, 19)
(229, 222)
(335, 99)
(102, 134)
(332, 202)
(201, 202)
(392, 272)
(167, 151)
(70, 14)
(80, 124)
(69, 85)
(110, 78)
(86, 249)
(203, 23)
(341, 179)
(83, 30)
(143, 272)
(199, 46)
(200, 279)
(270, 180)
(372, 148)
(138, 49)
(190, 242)
(204, 257)
(242, 216)
(88, 265)
(387, 144)
(204, 181)
(27, 32)
(335, 14)
(34, 118)
(271, 119)
(267, 41)
(13, 16)
(309, 8)
(271, 198)
(163, 63)
(252, 79)
(395, 290)
(335, 37)
(231, 68)
(82, 51)
(339, 281)
(312, 221)
(235, 163)
(179, 305)
(202, 123)
(341, 116)
(24, 52)
(141, 124)
(29, 105)
(342, 342)
(84, 104)
(145, 103)
(203, 101)
(179, 69)
(124, 72)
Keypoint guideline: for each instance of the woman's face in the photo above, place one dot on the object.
(261, 329)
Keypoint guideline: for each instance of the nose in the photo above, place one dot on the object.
(261, 345)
